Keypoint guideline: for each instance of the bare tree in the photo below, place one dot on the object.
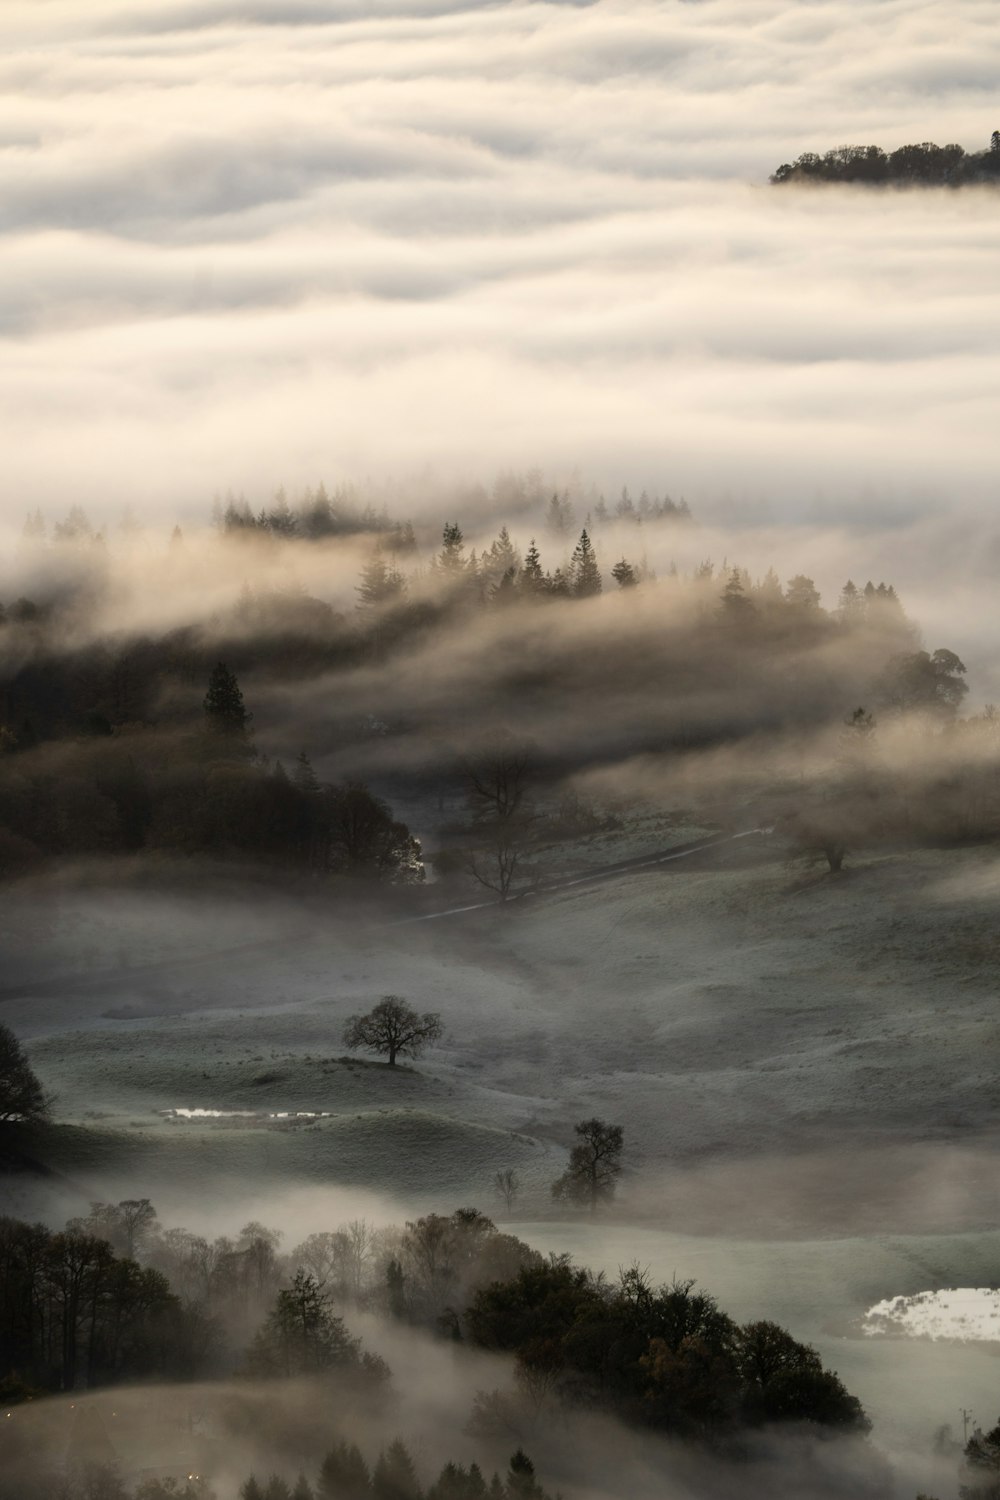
(594, 1164)
(507, 1185)
(496, 864)
(497, 777)
(138, 1220)
(393, 1028)
(497, 780)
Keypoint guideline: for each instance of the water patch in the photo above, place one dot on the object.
(244, 1114)
(966, 1314)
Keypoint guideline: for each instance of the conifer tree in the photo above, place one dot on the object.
(303, 775)
(531, 580)
(559, 516)
(380, 584)
(624, 575)
(735, 604)
(768, 591)
(301, 1334)
(451, 559)
(225, 713)
(500, 559)
(851, 608)
(395, 1477)
(343, 1475)
(585, 576)
(521, 1482)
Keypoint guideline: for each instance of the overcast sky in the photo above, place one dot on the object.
(279, 240)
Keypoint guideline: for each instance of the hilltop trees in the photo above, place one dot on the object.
(393, 1029)
(594, 1165)
(22, 1098)
(917, 165)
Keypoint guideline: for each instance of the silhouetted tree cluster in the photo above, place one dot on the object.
(439, 1262)
(666, 1357)
(345, 1475)
(315, 516)
(923, 165)
(73, 1312)
(205, 792)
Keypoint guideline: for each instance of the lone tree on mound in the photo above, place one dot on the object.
(393, 1028)
(22, 1097)
(594, 1164)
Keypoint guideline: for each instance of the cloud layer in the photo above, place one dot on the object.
(247, 244)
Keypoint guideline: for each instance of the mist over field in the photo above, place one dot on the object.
(499, 756)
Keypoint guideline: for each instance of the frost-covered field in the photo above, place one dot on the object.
(804, 1069)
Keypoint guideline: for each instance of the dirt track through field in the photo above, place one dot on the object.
(603, 872)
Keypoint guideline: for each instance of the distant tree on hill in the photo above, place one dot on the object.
(624, 575)
(507, 1185)
(22, 1098)
(594, 1164)
(393, 1029)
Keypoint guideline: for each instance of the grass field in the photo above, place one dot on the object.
(805, 1068)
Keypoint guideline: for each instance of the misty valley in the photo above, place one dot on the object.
(494, 1006)
(499, 750)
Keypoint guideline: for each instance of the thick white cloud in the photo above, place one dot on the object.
(241, 244)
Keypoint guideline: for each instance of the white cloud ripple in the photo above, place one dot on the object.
(246, 244)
